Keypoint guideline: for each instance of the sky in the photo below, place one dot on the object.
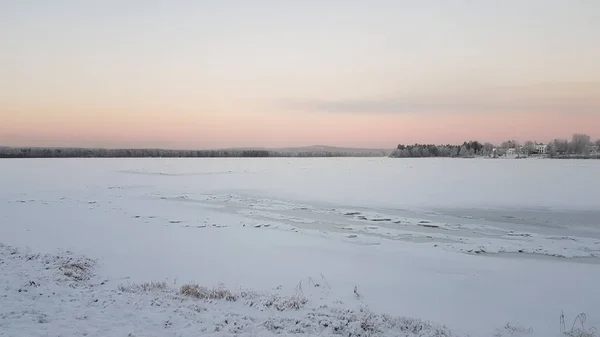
(209, 74)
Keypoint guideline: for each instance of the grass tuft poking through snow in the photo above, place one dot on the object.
(143, 287)
(251, 299)
(578, 328)
(206, 293)
(284, 303)
(360, 323)
(578, 332)
(78, 270)
(513, 330)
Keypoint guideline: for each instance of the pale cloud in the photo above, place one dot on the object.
(551, 98)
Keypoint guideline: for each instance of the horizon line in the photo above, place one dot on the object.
(276, 148)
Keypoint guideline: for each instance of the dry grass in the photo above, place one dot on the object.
(206, 293)
(80, 270)
(143, 287)
(360, 323)
(575, 330)
(513, 330)
(578, 332)
(281, 303)
(251, 299)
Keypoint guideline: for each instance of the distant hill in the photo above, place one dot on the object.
(325, 148)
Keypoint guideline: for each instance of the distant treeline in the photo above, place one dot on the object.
(35, 152)
(467, 149)
(580, 147)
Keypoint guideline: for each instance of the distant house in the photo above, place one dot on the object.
(541, 148)
(594, 149)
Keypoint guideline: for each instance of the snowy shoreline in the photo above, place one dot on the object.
(60, 295)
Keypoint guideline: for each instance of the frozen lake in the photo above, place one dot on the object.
(368, 182)
(472, 244)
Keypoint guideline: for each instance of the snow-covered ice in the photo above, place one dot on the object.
(470, 245)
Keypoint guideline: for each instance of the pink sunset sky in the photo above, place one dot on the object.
(209, 74)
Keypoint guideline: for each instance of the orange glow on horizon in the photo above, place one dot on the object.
(285, 129)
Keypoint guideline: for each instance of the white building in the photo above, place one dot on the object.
(541, 148)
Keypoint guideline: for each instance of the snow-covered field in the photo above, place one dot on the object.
(350, 247)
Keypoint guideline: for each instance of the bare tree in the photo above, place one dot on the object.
(579, 143)
(528, 148)
(561, 146)
(488, 149)
(551, 149)
(511, 144)
(454, 152)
